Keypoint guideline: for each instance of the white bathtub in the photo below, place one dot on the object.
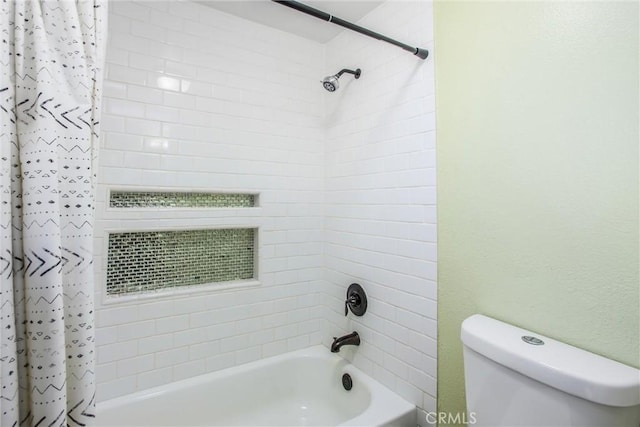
(301, 388)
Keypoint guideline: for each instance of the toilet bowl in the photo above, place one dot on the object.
(515, 377)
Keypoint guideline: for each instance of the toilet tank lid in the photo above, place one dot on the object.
(562, 366)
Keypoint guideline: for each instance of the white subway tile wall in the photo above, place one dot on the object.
(380, 200)
(198, 99)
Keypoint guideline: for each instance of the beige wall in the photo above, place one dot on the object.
(537, 118)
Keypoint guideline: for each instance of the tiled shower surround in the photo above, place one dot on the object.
(201, 101)
(198, 100)
(380, 201)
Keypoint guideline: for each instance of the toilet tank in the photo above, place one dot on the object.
(515, 377)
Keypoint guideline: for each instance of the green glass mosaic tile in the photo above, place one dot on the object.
(146, 261)
(153, 199)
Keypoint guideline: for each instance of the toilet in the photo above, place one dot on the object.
(515, 377)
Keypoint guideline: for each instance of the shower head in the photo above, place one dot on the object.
(332, 84)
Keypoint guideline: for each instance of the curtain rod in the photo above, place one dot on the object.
(419, 52)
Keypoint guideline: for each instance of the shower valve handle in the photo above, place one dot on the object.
(356, 300)
(353, 300)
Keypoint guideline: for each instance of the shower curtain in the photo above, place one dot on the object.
(50, 76)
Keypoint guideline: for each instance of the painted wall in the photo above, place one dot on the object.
(195, 98)
(380, 196)
(537, 117)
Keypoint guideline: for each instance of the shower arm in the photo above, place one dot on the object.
(356, 73)
(417, 51)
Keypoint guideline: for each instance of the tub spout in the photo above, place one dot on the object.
(349, 339)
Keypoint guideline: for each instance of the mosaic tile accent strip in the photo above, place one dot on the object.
(147, 261)
(153, 199)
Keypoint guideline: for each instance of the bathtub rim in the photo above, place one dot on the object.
(385, 406)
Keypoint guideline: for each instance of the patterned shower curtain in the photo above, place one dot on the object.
(51, 54)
